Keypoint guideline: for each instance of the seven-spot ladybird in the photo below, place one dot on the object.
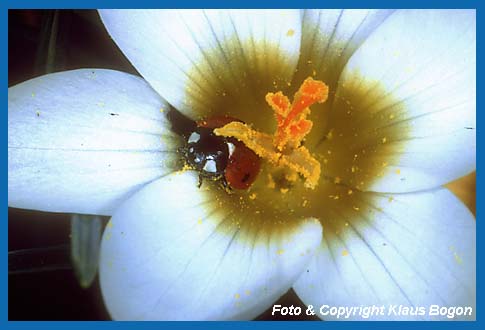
(215, 157)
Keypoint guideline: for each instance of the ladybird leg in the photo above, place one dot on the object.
(182, 151)
(199, 184)
(226, 185)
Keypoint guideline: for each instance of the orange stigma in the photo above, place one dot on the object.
(291, 118)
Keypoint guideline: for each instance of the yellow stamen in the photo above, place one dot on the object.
(284, 149)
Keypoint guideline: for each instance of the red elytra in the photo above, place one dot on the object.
(243, 165)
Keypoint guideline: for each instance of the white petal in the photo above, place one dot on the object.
(83, 141)
(406, 103)
(414, 250)
(330, 37)
(192, 56)
(170, 253)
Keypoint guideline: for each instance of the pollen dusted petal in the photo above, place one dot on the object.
(82, 141)
(330, 37)
(412, 249)
(174, 253)
(199, 59)
(406, 104)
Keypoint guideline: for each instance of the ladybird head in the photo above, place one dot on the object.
(206, 152)
(217, 157)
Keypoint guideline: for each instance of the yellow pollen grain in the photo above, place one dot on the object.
(284, 190)
(409, 69)
(337, 180)
(345, 253)
(110, 224)
(390, 199)
(291, 176)
(356, 208)
(280, 252)
(247, 292)
(398, 171)
(290, 33)
(271, 183)
(305, 203)
(162, 110)
(199, 221)
(346, 224)
(391, 116)
(457, 258)
(237, 296)
(350, 192)
(252, 196)
(186, 167)
(384, 140)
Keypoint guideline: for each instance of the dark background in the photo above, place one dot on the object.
(40, 42)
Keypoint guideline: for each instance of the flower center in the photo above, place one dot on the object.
(347, 138)
(284, 149)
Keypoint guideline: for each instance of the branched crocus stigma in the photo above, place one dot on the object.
(284, 148)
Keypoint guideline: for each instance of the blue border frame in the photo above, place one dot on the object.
(30, 4)
(89, 4)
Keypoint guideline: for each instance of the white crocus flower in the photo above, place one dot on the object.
(398, 124)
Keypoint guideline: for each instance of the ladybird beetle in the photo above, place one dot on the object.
(215, 157)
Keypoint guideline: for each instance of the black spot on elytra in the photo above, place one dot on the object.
(246, 177)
